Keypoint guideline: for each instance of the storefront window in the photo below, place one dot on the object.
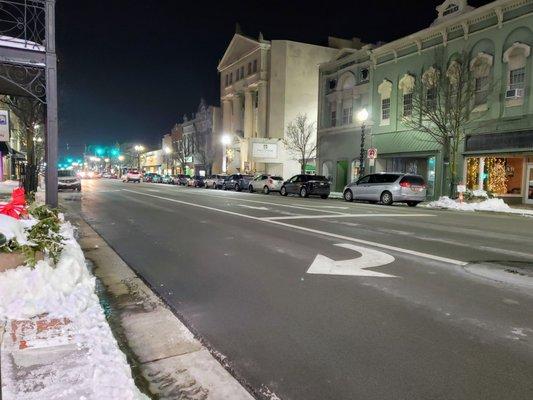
(497, 175)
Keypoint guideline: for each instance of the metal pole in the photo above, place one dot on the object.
(51, 125)
(362, 152)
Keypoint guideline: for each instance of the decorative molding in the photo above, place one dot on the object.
(430, 76)
(444, 34)
(516, 45)
(481, 58)
(499, 13)
(407, 83)
(395, 53)
(385, 89)
(418, 43)
(466, 29)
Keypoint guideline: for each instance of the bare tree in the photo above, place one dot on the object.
(443, 101)
(300, 140)
(203, 146)
(181, 152)
(30, 113)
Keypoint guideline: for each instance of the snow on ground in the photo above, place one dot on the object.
(95, 366)
(494, 205)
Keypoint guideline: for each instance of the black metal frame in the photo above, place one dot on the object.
(28, 65)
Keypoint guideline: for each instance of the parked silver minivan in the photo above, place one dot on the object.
(387, 188)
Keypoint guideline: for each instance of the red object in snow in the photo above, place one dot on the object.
(17, 206)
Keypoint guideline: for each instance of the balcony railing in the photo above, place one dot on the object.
(23, 24)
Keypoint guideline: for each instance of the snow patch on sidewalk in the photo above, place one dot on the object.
(494, 205)
(82, 358)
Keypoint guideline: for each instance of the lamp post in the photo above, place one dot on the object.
(138, 148)
(121, 159)
(226, 140)
(362, 116)
(168, 151)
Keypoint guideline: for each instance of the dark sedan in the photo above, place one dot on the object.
(306, 185)
(237, 182)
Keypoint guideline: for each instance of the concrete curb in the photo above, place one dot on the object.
(169, 362)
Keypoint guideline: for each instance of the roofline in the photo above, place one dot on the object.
(424, 33)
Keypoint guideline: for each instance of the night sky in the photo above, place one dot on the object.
(130, 69)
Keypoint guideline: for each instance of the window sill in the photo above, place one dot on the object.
(385, 122)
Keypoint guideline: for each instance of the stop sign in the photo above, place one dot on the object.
(372, 153)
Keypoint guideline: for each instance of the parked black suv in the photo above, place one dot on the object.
(306, 185)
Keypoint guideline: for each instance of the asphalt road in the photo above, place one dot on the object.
(234, 266)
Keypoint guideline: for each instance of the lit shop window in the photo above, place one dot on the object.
(497, 175)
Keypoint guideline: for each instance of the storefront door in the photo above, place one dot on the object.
(529, 184)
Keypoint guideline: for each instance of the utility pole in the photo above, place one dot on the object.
(51, 125)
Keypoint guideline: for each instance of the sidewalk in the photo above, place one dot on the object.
(57, 343)
(169, 360)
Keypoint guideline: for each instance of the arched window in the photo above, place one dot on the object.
(516, 58)
(481, 66)
(385, 90)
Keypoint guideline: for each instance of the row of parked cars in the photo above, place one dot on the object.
(385, 187)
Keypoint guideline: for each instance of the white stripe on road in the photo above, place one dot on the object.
(310, 230)
(346, 216)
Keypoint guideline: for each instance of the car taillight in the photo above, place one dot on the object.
(405, 184)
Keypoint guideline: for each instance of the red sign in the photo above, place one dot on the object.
(372, 153)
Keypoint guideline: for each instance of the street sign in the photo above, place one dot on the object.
(356, 266)
(372, 153)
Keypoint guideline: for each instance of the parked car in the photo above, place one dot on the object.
(214, 181)
(168, 179)
(197, 181)
(147, 176)
(181, 179)
(156, 178)
(68, 179)
(132, 175)
(306, 185)
(388, 188)
(237, 182)
(266, 183)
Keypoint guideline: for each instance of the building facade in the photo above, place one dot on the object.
(344, 89)
(264, 85)
(497, 154)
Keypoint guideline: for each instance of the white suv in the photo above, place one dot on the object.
(133, 175)
(266, 183)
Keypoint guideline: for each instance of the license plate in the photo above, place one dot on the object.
(416, 188)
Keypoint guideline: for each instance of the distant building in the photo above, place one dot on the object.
(344, 89)
(264, 85)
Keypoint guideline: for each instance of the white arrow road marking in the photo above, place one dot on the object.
(356, 266)
(253, 207)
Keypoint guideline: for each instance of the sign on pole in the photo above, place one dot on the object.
(372, 153)
(4, 126)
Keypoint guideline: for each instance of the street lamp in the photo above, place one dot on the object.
(226, 140)
(138, 148)
(167, 150)
(362, 116)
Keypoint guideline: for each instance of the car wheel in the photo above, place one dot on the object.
(386, 198)
(237, 187)
(251, 189)
(283, 191)
(303, 192)
(412, 203)
(266, 190)
(348, 195)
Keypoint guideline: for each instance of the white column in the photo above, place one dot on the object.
(262, 110)
(481, 172)
(226, 116)
(237, 117)
(248, 114)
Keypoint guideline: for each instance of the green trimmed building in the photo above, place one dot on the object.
(497, 154)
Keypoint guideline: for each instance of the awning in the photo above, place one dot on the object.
(6, 149)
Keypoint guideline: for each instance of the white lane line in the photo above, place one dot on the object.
(253, 207)
(310, 208)
(346, 216)
(310, 230)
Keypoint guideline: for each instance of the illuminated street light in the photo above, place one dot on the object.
(121, 158)
(362, 115)
(226, 139)
(106, 160)
(167, 150)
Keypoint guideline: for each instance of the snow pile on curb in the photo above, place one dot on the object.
(66, 290)
(494, 205)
